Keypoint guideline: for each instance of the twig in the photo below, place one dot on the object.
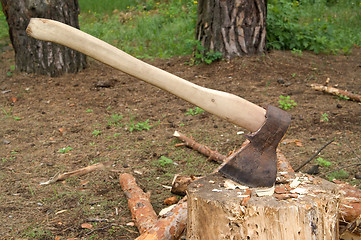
(79, 172)
(336, 91)
(314, 155)
(212, 155)
(100, 229)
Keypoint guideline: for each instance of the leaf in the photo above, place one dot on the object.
(86, 225)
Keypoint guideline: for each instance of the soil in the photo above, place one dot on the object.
(56, 125)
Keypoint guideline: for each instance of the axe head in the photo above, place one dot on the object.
(255, 165)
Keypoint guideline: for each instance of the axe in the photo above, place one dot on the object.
(254, 165)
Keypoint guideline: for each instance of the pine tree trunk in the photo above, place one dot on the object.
(232, 27)
(34, 56)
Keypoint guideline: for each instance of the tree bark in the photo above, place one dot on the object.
(138, 203)
(34, 56)
(232, 27)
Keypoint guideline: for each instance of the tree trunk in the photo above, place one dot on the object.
(232, 27)
(34, 56)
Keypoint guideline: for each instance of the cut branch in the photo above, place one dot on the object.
(180, 184)
(212, 155)
(171, 226)
(336, 91)
(79, 172)
(138, 202)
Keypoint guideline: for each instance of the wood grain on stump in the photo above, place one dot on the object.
(304, 207)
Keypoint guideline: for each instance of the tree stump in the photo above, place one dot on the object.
(304, 207)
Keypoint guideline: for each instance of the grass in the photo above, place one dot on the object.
(4, 30)
(329, 26)
(138, 27)
(106, 6)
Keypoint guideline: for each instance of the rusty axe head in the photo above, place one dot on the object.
(255, 165)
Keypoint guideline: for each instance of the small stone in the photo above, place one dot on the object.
(314, 170)
(339, 106)
(280, 81)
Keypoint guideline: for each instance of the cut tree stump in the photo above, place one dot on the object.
(305, 207)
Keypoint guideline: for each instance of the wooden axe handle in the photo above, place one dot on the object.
(225, 105)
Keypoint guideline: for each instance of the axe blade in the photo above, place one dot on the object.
(255, 165)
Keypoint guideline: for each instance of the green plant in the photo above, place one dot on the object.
(115, 135)
(9, 114)
(194, 111)
(340, 174)
(312, 25)
(286, 102)
(342, 97)
(296, 52)
(324, 117)
(11, 70)
(65, 149)
(322, 162)
(114, 120)
(96, 133)
(164, 161)
(201, 55)
(139, 126)
(89, 111)
(31, 190)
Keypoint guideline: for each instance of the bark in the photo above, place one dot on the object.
(180, 184)
(34, 56)
(232, 27)
(336, 91)
(189, 142)
(138, 203)
(171, 226)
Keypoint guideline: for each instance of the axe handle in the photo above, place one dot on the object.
(225, 105)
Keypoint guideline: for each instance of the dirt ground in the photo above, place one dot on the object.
(55, 125)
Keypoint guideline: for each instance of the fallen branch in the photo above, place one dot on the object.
(212, 155)
(171, 226)
(336, 91)
(138, 203)
(79, 172)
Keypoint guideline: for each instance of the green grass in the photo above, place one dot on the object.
(330, 26)
(151, 28)
(106, 6)
(4, 30)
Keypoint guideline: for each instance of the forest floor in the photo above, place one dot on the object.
(56, 125)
